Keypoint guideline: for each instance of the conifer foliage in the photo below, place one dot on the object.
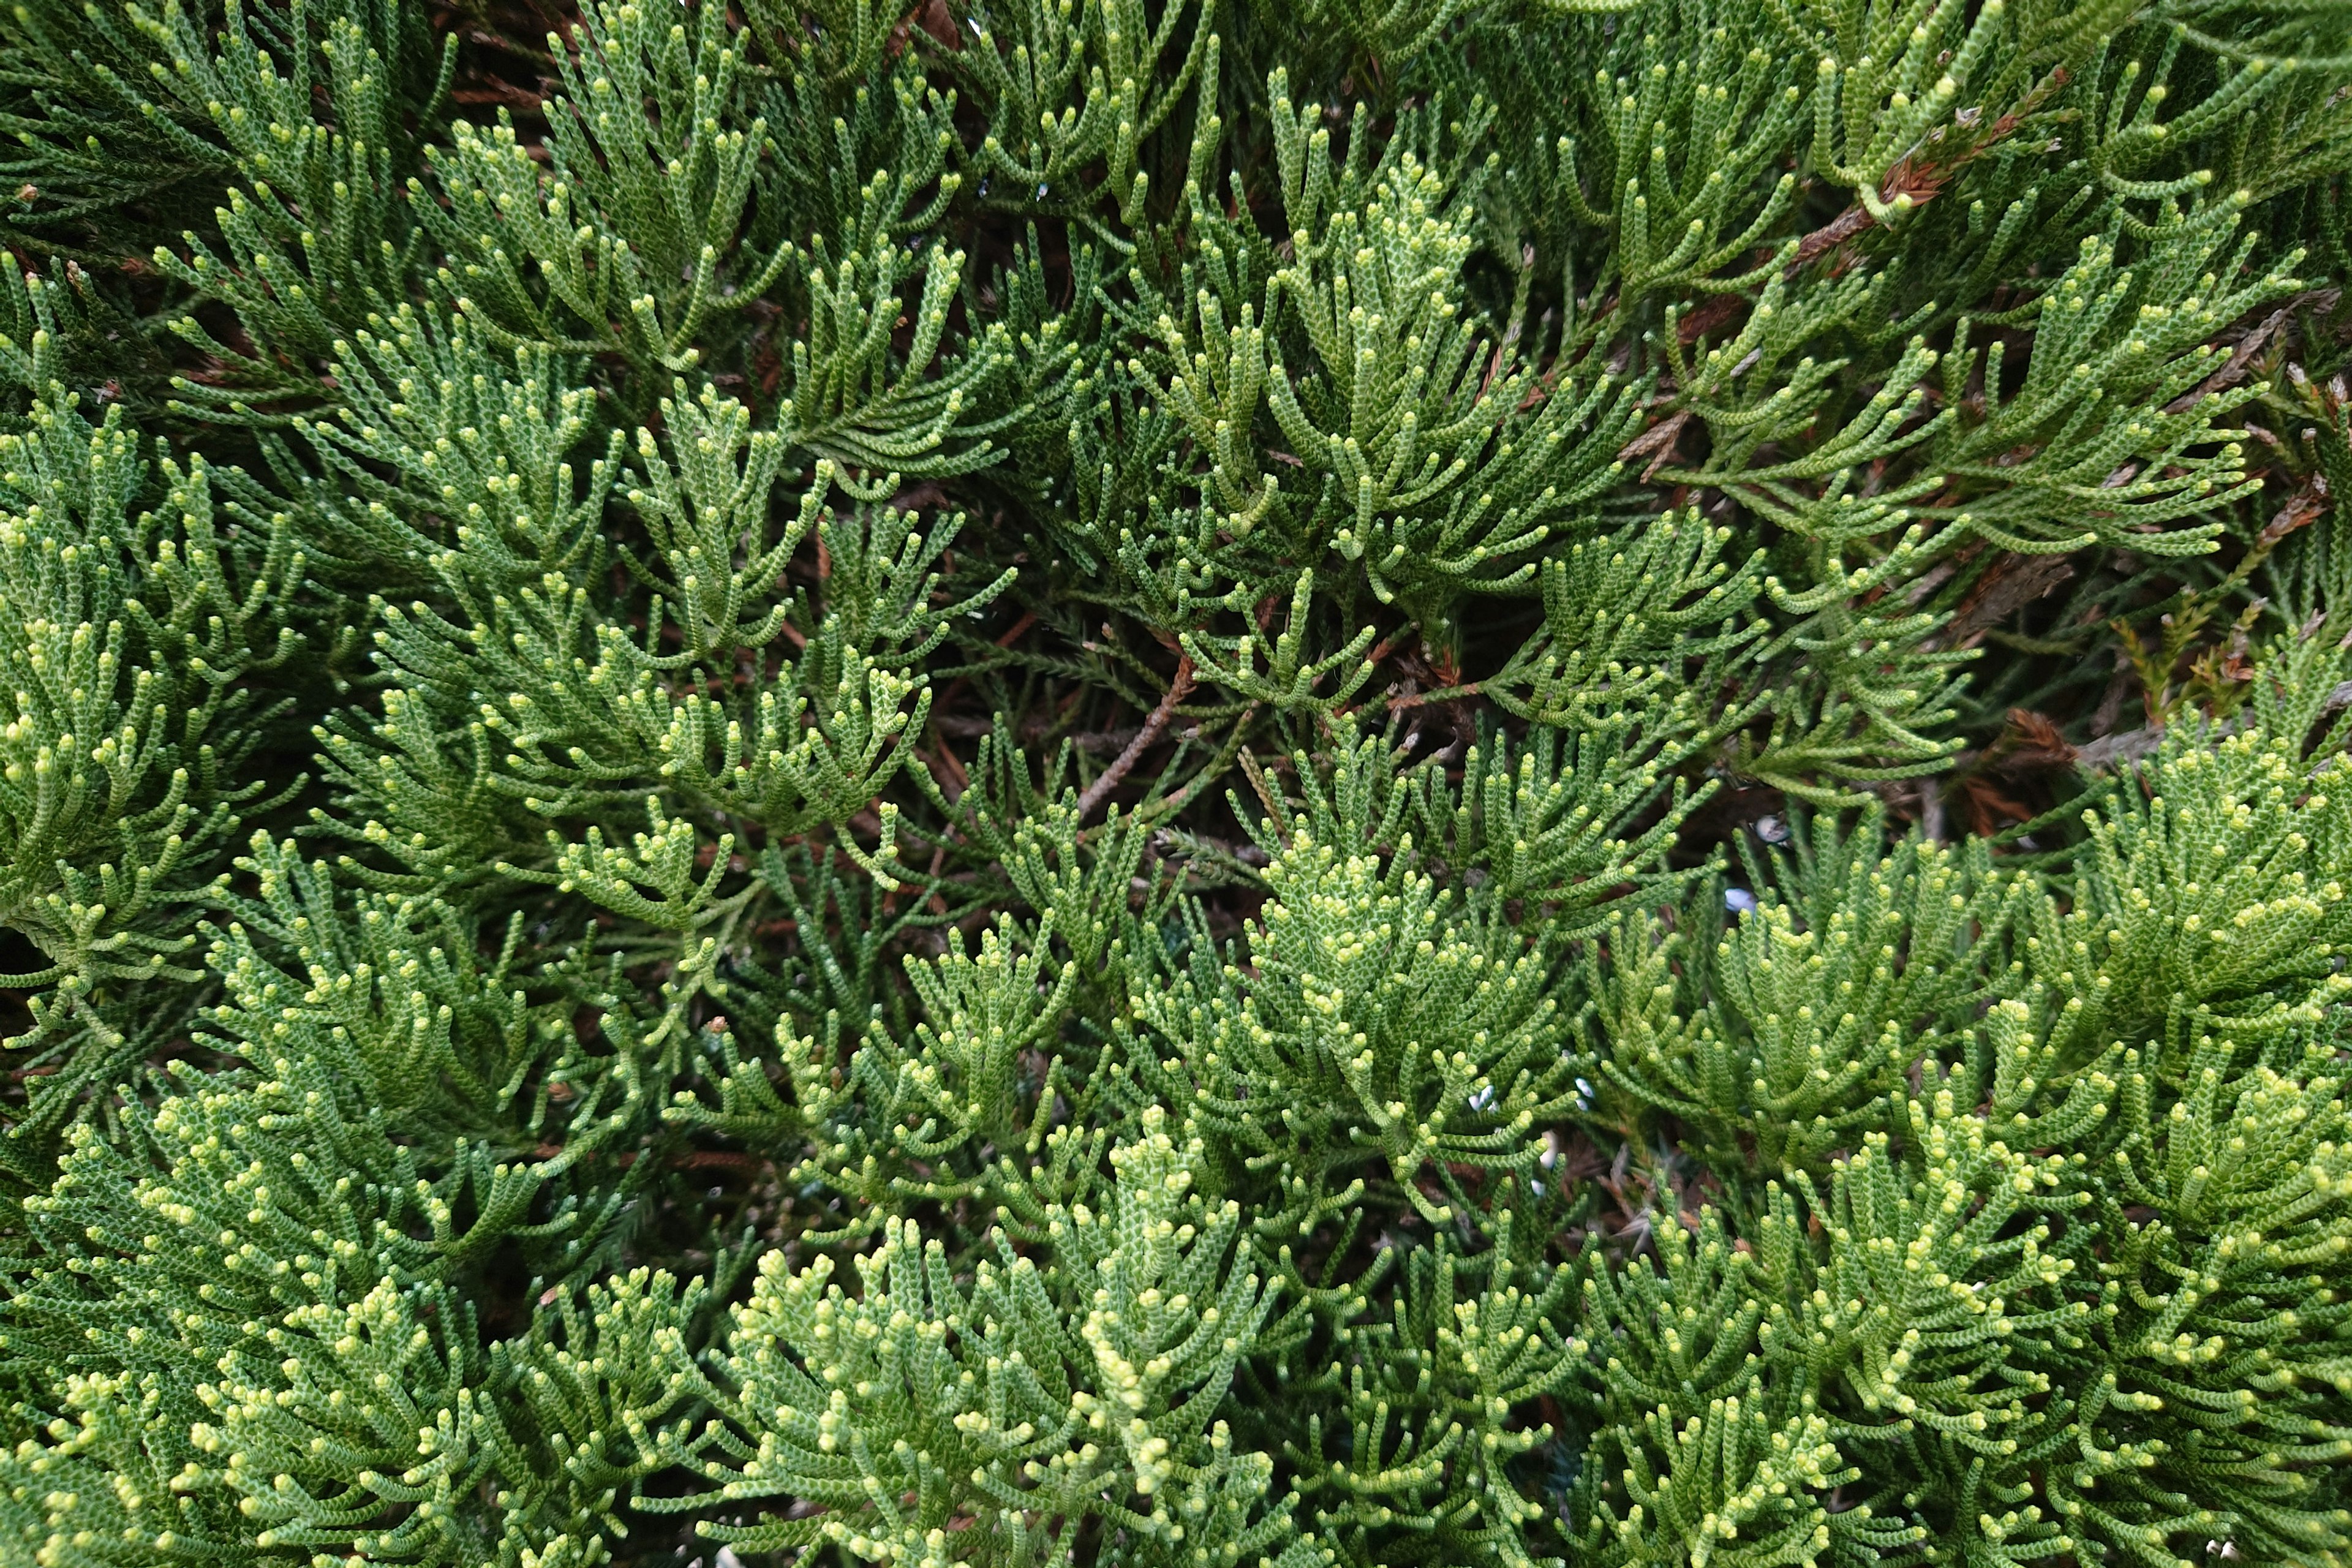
(1195, 784)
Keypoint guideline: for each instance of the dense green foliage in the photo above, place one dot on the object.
(1176, 783)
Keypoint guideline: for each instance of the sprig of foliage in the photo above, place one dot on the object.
(1183, 783)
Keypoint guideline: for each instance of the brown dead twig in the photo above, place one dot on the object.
(1178, 689)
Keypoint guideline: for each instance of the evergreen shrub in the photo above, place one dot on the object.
(1323, 784)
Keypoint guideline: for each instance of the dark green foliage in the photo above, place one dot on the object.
(1195, 783)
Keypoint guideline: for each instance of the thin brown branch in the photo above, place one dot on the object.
(1920, 181)
(1178, 689)
(2233, 368)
